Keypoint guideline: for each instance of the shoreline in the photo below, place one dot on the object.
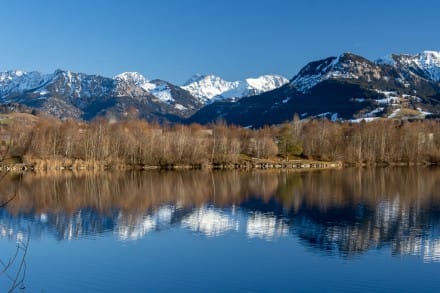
(38, 165)
(252, 164)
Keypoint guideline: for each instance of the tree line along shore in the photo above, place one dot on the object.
(43, 143)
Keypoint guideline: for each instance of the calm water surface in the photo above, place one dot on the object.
(199, 231)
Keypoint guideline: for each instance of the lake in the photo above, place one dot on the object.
(201, 231)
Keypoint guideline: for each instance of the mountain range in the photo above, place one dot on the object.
(67, 94)
(348, 87)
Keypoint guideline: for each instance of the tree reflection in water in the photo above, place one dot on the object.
(341, 212)
(13, 268)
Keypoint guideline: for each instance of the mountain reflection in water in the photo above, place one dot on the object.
(342, 212)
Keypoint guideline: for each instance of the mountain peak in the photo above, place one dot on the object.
(11, 74)
(265, 83)
(195, 78)
(16, 81)
(60, 71)
(436, 54)
(200, 77)
(134, 78)
(211, 87)
(426, 63)
(206, 87)
(430, 58)
(345, 66)
(385, 60)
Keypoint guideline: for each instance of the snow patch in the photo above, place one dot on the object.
(323, 114)
(423, 112)
(366, 119)
(394, 114)
(180, 107)
(391, 98)
(373, 112)
(162, 92)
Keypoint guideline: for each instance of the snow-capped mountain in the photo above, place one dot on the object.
(255, 86)
(206, 87)
(160, 90)
(210, 88)
(134, 78)
(346, 66)
(425, 64)
(18, 81)
(79, 95)
(265, 83)
(395, 71)
(348, 87)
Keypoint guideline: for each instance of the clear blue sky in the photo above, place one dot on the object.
(173, 39)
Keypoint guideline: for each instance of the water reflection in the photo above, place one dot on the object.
(133, 227)
(210, 221)
(265, 226)
(342, 212)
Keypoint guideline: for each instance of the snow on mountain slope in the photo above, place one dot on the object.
(349, 85)
(13, 82)
(206, 87)
(266, 83)
(159, 94)
(426, 64)
(209, 87)
(134, 78)
(346, 66)
(73, 85)
(160, 90)
(254, 86)
(79, 86)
